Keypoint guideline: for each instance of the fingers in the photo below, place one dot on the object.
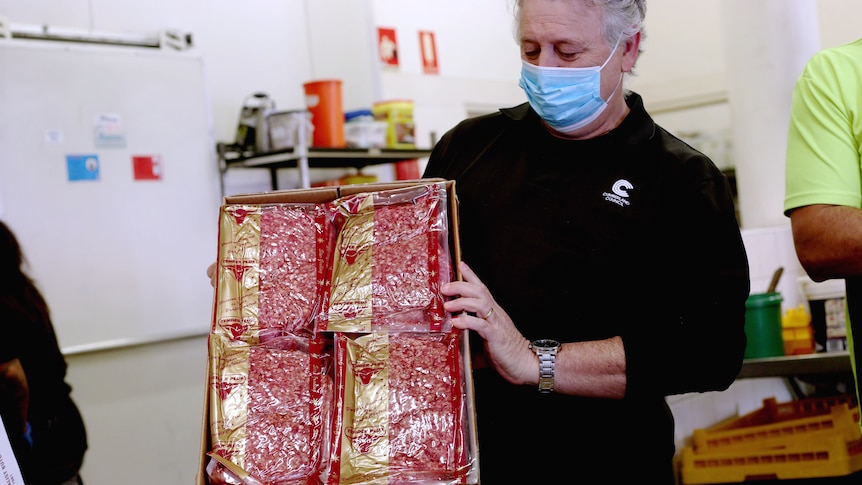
(467, 298)
(211, 273)
(472, 297)
(471, 286)
(468, 274)
(467, 320)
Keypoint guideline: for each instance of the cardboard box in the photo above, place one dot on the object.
(326, 194)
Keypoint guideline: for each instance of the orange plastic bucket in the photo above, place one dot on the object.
(323, 100)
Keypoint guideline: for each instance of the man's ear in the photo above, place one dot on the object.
(631, 51)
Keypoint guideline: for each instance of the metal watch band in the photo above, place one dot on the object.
(547, 359)
(546, 351)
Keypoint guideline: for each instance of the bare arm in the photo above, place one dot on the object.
(592, 369)
(13, 381)
(828, 240)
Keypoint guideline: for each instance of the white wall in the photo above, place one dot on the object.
(143, 404)
(143, 408)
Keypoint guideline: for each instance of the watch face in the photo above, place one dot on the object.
(545, 343)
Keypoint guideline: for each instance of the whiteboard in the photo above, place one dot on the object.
(121, 260)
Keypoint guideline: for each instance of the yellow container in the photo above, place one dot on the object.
(798, 340)
(796, 317)
(774, 412)
(840, 421)
(797, 332)
(807, 438)
(398, 114)
(825, 456)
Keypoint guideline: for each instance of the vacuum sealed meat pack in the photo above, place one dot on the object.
(272, 261)
(269, 410)
(400, 409)
(390, 258)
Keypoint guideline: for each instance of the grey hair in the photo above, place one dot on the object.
(622, 19)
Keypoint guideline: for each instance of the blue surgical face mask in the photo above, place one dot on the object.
(567, 98)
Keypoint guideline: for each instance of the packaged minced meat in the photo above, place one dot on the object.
(400, 410)
(271, 260)
(390, 258)
(269, 409)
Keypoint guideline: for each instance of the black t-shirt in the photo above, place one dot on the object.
(630, 234)
(57, 428)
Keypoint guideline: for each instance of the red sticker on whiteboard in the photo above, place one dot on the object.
(147, 167)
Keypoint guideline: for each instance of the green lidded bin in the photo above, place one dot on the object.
(763, 325)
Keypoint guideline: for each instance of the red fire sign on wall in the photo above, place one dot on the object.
(429, 52)
(387, 47)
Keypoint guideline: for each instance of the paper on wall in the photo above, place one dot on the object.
(8, 464)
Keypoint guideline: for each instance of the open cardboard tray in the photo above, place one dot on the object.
(326, 194)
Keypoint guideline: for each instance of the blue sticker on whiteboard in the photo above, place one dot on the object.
(82, 167)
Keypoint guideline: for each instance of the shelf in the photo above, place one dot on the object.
(313, 157)
(796, 365)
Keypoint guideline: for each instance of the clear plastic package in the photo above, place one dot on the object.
(400, 412)
(391, 257)
(269, 408)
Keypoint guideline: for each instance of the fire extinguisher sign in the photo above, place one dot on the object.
(387, 47)
(429, 52)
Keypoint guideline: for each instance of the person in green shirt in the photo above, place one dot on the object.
(823, 176)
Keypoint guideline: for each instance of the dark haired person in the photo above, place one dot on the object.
(42, 421)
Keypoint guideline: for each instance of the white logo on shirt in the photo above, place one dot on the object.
(619, 193)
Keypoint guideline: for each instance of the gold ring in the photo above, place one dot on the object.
(490, 312)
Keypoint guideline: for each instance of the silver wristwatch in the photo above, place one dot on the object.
(546, 350)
